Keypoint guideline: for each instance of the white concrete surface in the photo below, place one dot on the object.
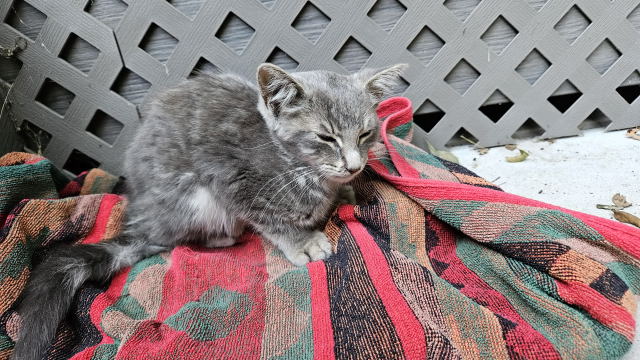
(576, 173)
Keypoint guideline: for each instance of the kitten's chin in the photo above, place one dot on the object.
(342, 179)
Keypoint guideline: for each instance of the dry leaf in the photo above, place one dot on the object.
(483, 151)
(634, 133)
(620, 201)
(608, 207)
(518, 158)
(510, 147)
(625, 217)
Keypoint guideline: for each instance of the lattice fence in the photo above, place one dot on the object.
(491, 69)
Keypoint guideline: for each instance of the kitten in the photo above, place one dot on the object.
(214, 156)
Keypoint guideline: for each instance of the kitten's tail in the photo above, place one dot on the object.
(54, 282)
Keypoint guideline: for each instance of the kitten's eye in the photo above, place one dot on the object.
(326, 138)
(365, 134)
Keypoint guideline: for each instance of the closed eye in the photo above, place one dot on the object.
(365, 134)
(326, 138)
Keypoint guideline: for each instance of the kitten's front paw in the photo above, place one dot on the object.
(216, 242)
(346, 195)
(316, 247)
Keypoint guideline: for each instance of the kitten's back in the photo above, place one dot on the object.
(211, 115)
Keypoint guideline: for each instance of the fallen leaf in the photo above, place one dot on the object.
(634, 133)
(481, 151)
(510, 147)
(620, 200)
(443, 154)
(625, 217)
(518, 158)
(608, 207)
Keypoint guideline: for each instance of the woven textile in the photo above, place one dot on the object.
(433, 262)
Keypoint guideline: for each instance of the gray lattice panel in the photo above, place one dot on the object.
(91, 64)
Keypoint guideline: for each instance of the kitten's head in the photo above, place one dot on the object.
(326, 119)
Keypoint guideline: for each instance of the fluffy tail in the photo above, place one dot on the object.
(54, 283)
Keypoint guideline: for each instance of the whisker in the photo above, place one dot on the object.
(262, 213)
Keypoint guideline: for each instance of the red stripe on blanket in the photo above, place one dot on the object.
(398, 112)
(407, 326)
(597, 305)
(107, 203)
(323, 342)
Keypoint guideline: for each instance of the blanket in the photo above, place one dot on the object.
(433, 262)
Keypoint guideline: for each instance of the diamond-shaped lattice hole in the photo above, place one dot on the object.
(499, 35)
(426, 45)
(528, 130)
(597, 120)
(630, 88)
(533, 66)
(25, 18)
(461, 137)
(352, 56)
(496, 110)
(462, 77)
(386, 13)
(105, 127)
(55, 97)
(110, 12)
(604, 56)
(461, 9)
(79, 53)
(79, 162)
(10, 68)
(235, 33)
(203, 66)
(35, 138)
(572, 24)
(131, 86)
(188, 7)
(311, 22)
(282, 59)
(428, 115)
(158, 43)
(537, 4)
(565, 96)
(634, 18)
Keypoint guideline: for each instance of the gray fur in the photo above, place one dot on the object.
(214, 156)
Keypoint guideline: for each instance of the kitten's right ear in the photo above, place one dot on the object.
(277, 88)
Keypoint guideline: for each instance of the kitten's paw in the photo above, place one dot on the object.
(216, 242)
(316, 247)
(346, 195)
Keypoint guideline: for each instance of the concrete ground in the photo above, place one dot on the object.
(575, 173)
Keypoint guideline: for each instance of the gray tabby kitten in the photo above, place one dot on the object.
(214, 156)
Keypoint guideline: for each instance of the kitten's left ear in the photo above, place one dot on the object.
(381, 84)
(277, 88)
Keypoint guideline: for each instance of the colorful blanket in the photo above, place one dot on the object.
(434, 262)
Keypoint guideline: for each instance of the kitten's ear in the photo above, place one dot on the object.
(381, 84)
(277, 88)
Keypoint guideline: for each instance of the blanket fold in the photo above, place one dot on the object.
(432, 262)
